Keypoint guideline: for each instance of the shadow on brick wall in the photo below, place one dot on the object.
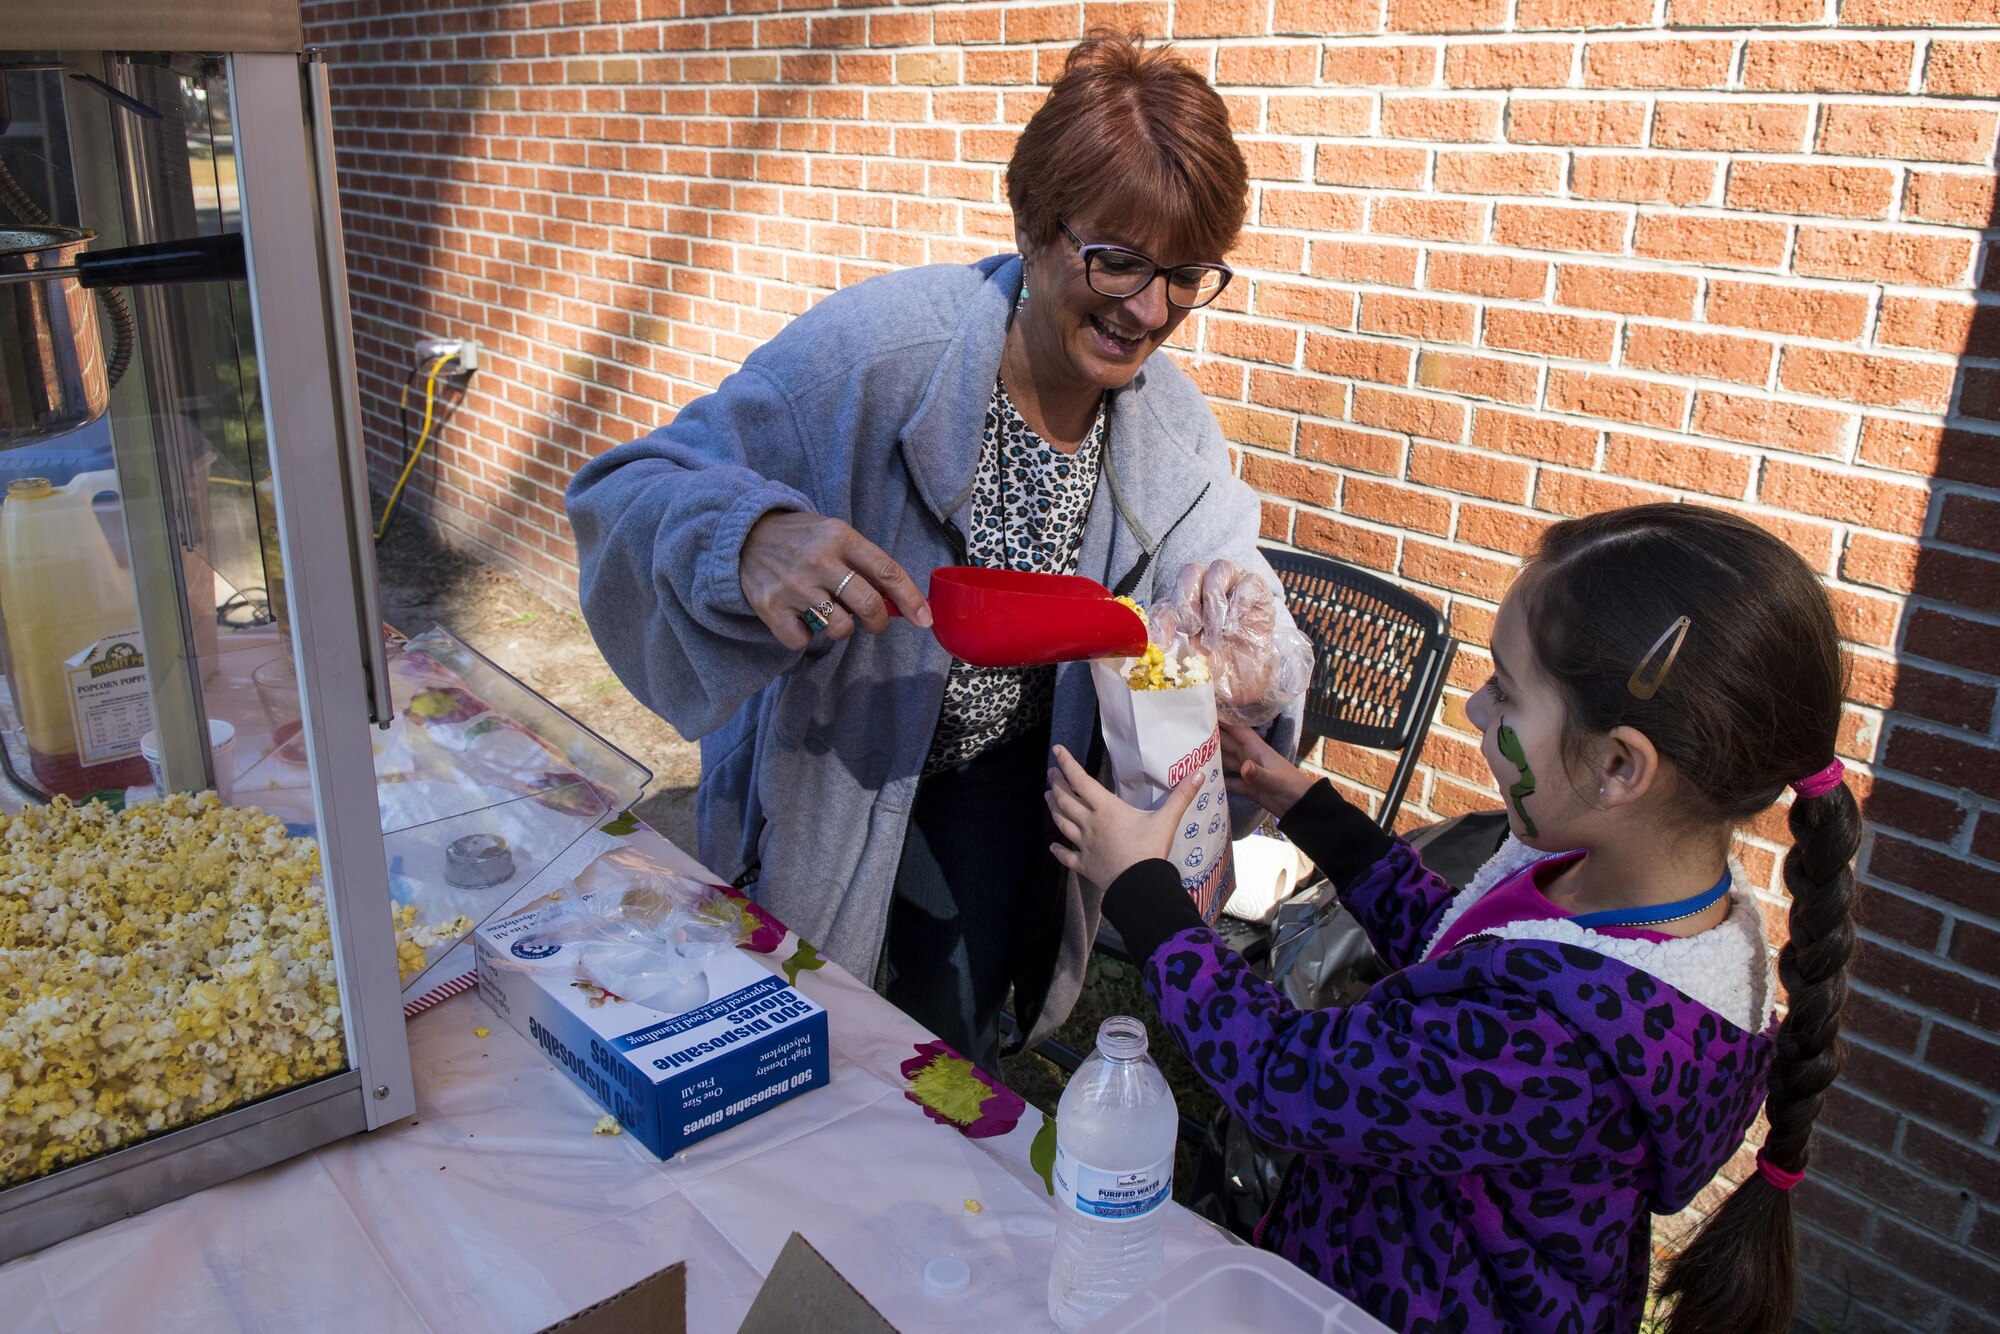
(1901, 1223)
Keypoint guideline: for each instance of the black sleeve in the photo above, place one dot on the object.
(1340, 838)
(1148, 907)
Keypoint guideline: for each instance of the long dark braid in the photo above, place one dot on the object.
(1752, 703)
(1738, 1276)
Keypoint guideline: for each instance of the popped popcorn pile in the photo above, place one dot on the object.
(415, 940)
(157, 965)
(1157, 669)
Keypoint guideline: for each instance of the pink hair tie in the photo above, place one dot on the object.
(1821, 783)
(1777, 1175)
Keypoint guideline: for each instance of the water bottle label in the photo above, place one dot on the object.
(1095, 1193)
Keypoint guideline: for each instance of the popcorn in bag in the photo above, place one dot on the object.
(1159, 721)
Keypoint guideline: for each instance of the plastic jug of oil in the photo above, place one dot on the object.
(77, 670)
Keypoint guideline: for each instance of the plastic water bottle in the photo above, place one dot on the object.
(1115, 1130)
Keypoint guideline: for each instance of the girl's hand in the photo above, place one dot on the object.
(1252, 769)
(1111, 835)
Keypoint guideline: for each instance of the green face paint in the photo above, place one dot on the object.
(1524, 787)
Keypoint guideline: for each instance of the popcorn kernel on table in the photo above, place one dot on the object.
(607, 1125)
(158, 965)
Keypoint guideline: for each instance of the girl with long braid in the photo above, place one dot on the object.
(1582, 1036)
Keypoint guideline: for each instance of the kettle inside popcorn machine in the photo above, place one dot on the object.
(125, 359)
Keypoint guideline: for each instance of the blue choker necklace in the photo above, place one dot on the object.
(1657, 913)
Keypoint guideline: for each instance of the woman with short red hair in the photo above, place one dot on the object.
(880, 798)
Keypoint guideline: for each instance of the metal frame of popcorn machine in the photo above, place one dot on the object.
(293, 356)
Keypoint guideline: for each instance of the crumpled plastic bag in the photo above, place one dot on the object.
(647, 942)
(1257, 658)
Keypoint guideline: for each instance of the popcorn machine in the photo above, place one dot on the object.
(191, 987)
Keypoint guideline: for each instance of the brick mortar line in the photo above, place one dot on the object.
(1253, 136)
(1925, 1175)
(1761, 454)
(1646, 431)
(376, 31)
(1778, 341)
(1922, 100)
(1891, 1153)
(1712, 212)
(1951, 911)
(1950, 297)
(1976, 615)
(1934, 958)
(1948, 1301)
(1930, 727)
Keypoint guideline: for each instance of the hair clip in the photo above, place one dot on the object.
(1645, 681)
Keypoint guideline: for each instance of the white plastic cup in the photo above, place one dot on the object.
(221, 745)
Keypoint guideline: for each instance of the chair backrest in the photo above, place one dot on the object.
(1380, 654)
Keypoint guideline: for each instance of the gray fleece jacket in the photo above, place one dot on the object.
(869, 408)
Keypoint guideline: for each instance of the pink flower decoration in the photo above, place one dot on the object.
(766, 931)
(954, 1092)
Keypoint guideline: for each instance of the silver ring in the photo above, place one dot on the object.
(842, 585)
(816, 615)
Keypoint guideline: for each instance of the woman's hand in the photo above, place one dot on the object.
(793, 561)
(1258, 663)
(1250, 768)
(1111, 835)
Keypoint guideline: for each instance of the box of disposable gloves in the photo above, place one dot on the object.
(736, 1041)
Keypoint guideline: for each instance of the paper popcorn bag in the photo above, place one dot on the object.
(1155, 738)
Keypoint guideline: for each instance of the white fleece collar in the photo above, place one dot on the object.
(1727, 967)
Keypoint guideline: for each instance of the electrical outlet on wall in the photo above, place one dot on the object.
(464, 349)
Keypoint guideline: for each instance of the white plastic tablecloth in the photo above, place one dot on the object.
(496, 1208)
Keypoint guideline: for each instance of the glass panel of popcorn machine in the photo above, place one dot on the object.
(166, 952)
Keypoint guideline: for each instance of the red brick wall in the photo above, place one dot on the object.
(1507, 261)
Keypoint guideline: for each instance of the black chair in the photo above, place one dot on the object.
(1380, 655)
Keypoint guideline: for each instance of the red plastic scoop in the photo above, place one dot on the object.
(1010, 618)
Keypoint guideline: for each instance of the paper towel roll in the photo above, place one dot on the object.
(1266, 870)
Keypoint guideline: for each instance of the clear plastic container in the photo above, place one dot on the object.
(1237, 1290)
(1114, 1176)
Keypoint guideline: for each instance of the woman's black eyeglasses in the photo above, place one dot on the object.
(1114, 271)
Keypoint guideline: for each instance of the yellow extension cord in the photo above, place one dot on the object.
(423, 436)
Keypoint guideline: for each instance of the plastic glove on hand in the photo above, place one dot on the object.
(1258, 660)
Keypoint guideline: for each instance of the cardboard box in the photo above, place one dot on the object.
(656, 1304)
(669, 1079)
(804, 1292)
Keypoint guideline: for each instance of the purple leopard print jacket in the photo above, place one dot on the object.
(1484, 1136)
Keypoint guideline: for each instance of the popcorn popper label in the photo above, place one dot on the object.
(110, 706)
(670, 1079)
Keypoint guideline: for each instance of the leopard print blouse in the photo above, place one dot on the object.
(1029, 502)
